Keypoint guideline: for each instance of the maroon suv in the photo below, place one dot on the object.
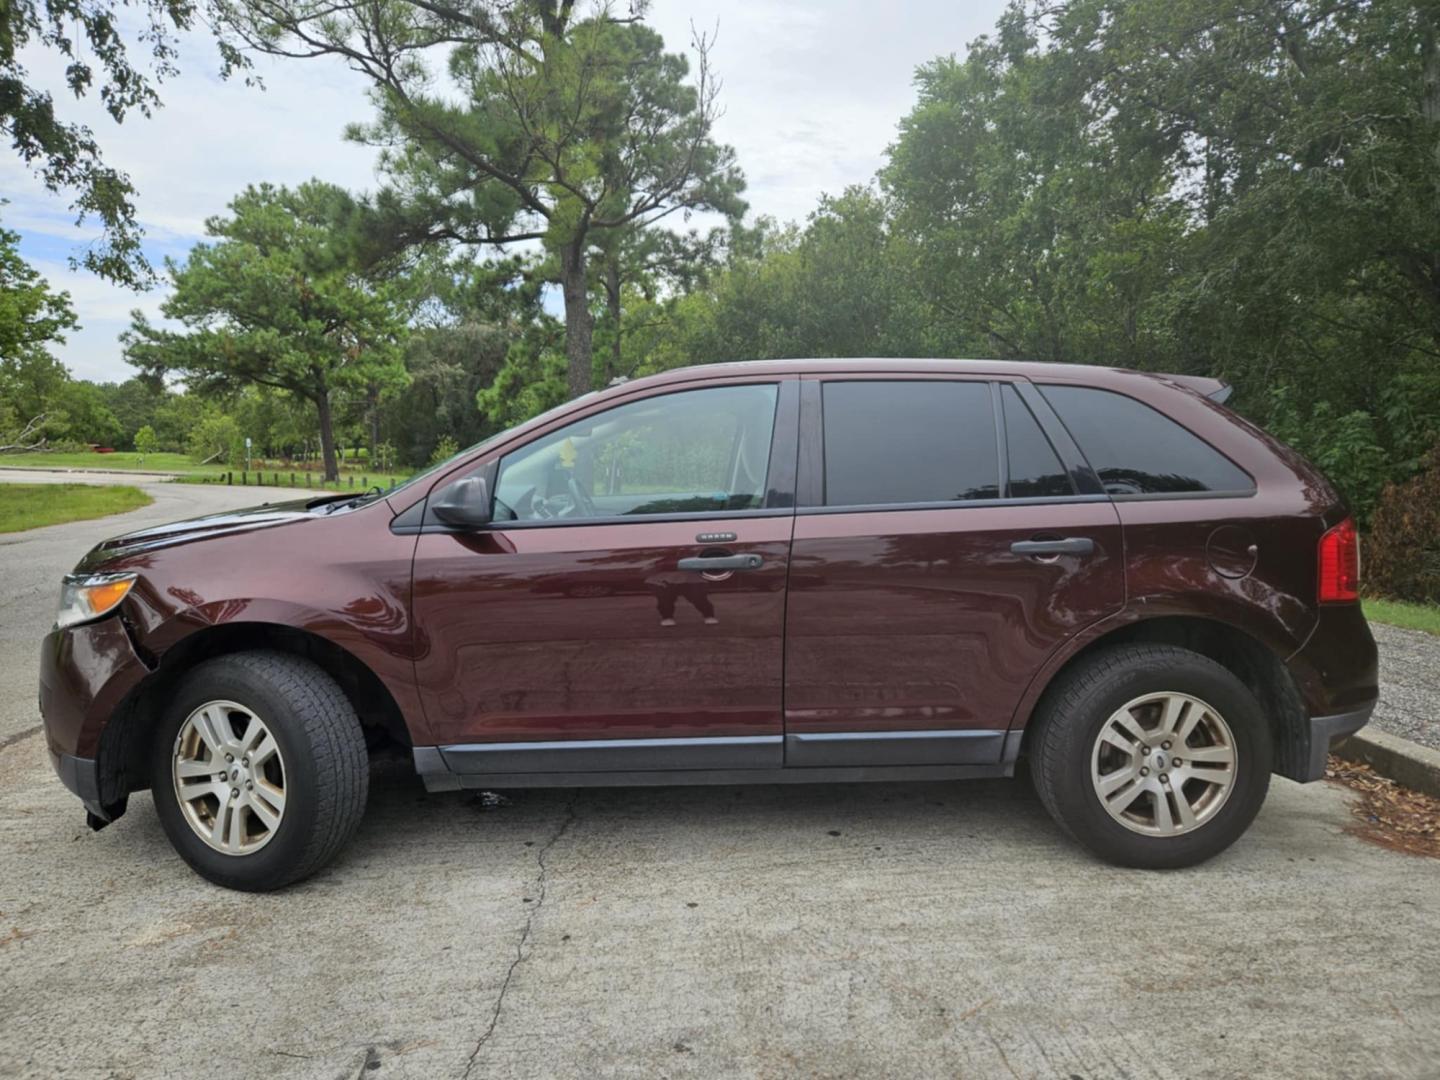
(768, 572)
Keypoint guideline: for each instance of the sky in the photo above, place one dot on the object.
(812, 93)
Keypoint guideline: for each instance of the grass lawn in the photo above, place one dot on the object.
(1424, 617)
(29, 506)
(86, 459)
(183, 465)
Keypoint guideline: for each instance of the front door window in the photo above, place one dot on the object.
(696, 451)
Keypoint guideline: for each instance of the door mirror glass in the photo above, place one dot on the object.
(465, 503)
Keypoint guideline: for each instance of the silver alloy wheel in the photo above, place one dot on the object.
(1163, 764)
(229, 777)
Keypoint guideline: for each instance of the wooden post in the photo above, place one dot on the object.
(244, 478)
(229, 477)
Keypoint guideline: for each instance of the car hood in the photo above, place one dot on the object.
(266, 516)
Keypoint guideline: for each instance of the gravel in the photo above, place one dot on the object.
(1409, 684)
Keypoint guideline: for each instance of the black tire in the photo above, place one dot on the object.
(1077, 707)
(326, 768)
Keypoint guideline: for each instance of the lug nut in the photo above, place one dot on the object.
(1144, 772)
(229, 757)
(1176, 762)
(249, 785)
(245, 760)
(1165, 746)
(235, 793)
(1144, 749)
(1164, 778)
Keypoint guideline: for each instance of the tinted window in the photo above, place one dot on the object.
(1035, 469)
(698, 450)
(909, 441)
(1136, 450)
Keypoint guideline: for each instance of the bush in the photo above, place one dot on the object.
(1402, 556)
(447, 447)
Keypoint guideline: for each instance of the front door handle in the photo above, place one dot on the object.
(1071, 545)
(718, 564)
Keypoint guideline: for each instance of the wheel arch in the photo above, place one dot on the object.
(1253, 662)
(124, 743)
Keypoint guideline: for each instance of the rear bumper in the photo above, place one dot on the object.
(1324, 730)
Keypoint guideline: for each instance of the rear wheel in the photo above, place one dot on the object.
(259, 770)
(1151, 755)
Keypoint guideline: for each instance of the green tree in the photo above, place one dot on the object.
(32, 315)
(82, 415)
(217, 438)
(135, 403)
(278, 299)
(88, 36)
(146, 441)
(571, 125)
(1238, 188)
(32, 381)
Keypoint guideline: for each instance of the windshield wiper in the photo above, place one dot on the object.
(369, 495)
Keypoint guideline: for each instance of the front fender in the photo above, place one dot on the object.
(374, 630)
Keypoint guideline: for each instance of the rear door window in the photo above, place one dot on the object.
(1034, 466)
(1139, 451)
(909, 441)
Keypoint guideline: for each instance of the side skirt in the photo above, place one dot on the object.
(851, 757)
(438, 777)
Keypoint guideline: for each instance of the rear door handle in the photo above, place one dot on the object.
(713, 564)
(1071, 545)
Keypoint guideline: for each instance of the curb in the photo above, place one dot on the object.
(1401, 760)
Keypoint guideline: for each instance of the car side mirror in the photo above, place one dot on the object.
(465, 503)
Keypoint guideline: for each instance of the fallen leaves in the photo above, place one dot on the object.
(1389, 814)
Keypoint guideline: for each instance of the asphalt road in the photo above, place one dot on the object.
(833, 931)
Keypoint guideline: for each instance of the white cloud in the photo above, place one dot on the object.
(812, 91)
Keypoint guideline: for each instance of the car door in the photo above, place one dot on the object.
(624, 608)
(948, 538)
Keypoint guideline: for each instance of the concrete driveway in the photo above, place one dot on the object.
(839, 931)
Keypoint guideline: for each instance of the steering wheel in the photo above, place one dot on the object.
(579, 499)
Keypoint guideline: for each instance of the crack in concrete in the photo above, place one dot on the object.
(540, 888)
(18, 737)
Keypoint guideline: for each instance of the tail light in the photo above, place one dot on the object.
(1340, 564)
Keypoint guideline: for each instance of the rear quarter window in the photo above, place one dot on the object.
(1137, 450)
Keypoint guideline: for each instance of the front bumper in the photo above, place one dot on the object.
(86, 673)
(82, 777)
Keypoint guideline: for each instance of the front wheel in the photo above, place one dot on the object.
(259, 770)
(1151, 755)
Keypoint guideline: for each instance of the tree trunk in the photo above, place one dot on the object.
(579, 326)
(327, 435)
(612, 301)
(374, 402)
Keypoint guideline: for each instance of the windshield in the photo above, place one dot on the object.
(436, 470)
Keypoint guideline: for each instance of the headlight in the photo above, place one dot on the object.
(88, 596)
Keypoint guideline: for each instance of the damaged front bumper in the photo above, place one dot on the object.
(86, 672)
